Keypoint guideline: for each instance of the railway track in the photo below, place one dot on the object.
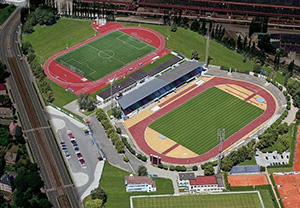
(41, 139)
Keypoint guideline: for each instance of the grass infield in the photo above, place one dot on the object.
(105, 55)
(240, 200)
(195, 123)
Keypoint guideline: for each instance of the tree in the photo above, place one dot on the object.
(239, 43)
(298, 115)
(30, 57)
(142, 171)
(256, 67)
(265, 43)
(195, 55)
(96, 203)
(277, 60)
(195, 168)
(27, 28)
(291, 68)
(27, 48)
(209, 170)
(99, 193)
(210, 26)
(116, 112)
(86, 102)
(208, 60)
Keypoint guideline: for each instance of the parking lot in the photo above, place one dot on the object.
(272, 158)
(86, 176)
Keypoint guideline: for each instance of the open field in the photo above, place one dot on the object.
(194, 124)
(113, 183)
(49, 40)
(106, 54)
(240, 200)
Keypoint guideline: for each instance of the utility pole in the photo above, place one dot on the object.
(111, 81)
(221, 138)
(207, 49)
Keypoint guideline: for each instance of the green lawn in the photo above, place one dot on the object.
(5, 13)
(113, 183)
(185, 41)
(195, 123)
(105, 55)
(246, 200)
(248, 162)
(49, 40)
(62, 97)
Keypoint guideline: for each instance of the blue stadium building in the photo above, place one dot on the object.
(160, 86)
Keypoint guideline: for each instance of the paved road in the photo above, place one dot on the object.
(9, 47)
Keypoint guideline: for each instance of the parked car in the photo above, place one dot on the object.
(100, 158)
(67, 155)
(79, 155)
(76, 149)
(82, 163)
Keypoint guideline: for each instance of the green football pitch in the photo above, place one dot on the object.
(195, 123)
(105, 55)
(241, 200)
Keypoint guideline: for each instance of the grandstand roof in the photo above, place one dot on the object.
(163, 66)
(181, 70)
(157, 83)
(245, 169)
(141, 92)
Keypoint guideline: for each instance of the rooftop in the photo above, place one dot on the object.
(204, 180)
(186, 176)
(157, 83)
(139, 180)
(2, 86)
(6, 179)
(10, 157)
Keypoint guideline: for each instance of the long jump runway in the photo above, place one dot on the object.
(138, 130)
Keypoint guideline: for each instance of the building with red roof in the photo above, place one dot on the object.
(3, 89)
(139, 183)
(205, 184)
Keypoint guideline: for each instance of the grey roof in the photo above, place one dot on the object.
(181, 70)
(163, 66)
(157, 83)
(186, 176)
(6, 179)
(141, 92)
(132, 79)
(245, 169)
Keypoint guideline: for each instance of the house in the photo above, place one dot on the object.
(6, 182)
(12, 127)
(10, 158)
(205, 184)
(6, 112)
(3, 89)
(139, 183)
(184, 179)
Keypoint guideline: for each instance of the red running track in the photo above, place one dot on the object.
(138, 130)
(70, 79)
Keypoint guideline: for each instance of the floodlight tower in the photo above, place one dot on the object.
(207, 49)
(111, 81)
(221, 138)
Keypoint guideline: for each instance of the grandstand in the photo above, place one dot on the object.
(158, 87)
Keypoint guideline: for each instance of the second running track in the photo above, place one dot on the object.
(138, 130)
(71, 80)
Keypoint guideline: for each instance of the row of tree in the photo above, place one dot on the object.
(38, 71)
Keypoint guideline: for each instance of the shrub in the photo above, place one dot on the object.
(268, 79)
(195, 168)
(118, 130)
(224, 68)
(183, 168)
(160, 166)
(280, 87)
(166, 167)
(178, 168)
(262, 168)
(126, 159)
(110, 131)
(106, 125)
(144, 158)
(172, 168)
(139, 156)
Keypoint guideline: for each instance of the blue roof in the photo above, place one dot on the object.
(245, 169)
(141, 92)
(157, 83)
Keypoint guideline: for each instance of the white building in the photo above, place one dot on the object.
(184, 179)
(139, 183)
(205, 184)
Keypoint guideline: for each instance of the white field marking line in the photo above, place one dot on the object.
(131, 38)
(107, 54)
(176, 195)
(83, 64)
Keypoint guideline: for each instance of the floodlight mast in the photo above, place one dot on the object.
(207, 49)
(111, 81)
(221, 138)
